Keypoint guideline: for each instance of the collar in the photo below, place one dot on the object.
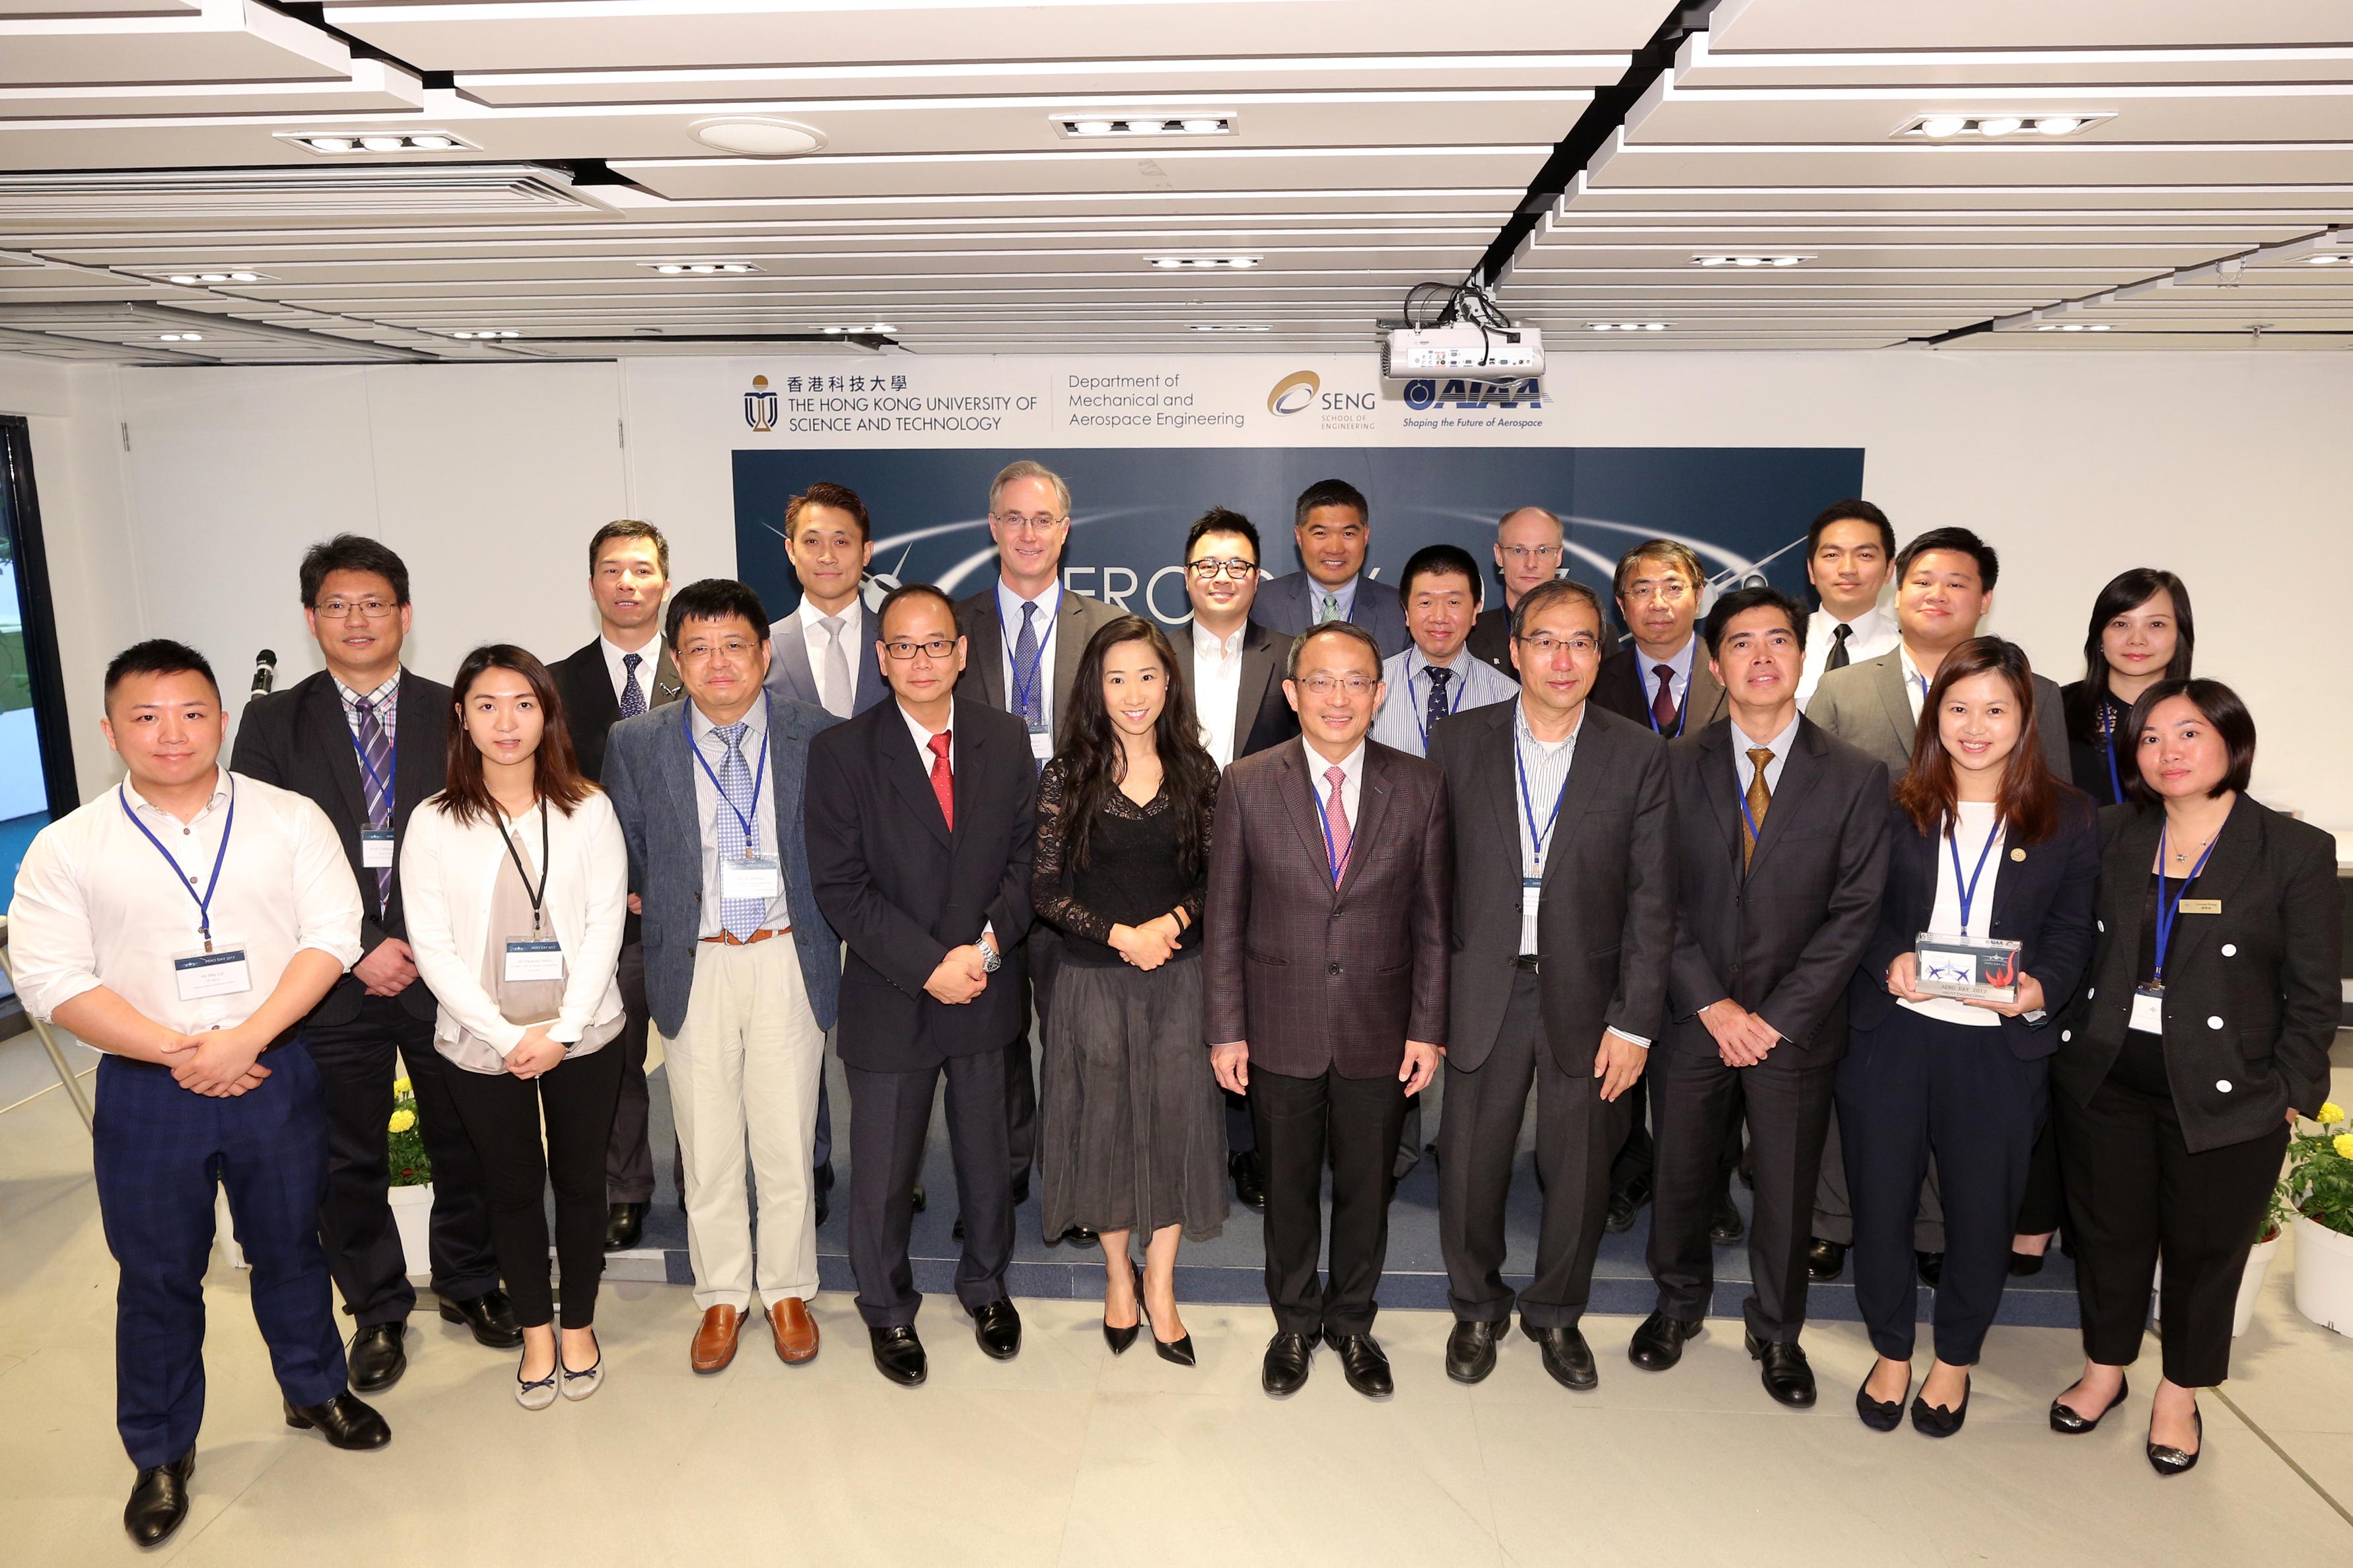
(1452, 666)
(1680, 663)
(1352, 766)
(923, 736)
(615, 653)
(811, 617)
(219, 796)
(1345, 592)
(1778, 745)
(1872, 623)
(1205, 641)
(1913, 680)
(756, 722)
(386, 695)
(1009, 607)
(1525, 736)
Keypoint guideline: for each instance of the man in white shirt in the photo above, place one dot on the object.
(1849, 559)
(183, 924)
(1437, 678)
(823, 653)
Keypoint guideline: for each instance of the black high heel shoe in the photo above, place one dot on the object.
(1878, 1415)
(1935, 1420)
(1120, 1339)
(1179, 1350)
(2071, 1423)
(2167, 1461)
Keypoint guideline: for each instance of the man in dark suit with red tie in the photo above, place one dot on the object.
(1324, 957)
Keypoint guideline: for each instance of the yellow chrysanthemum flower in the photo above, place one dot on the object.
(405, 1119)
(2343, 1144)
(400, 1086)
(2331, 1114)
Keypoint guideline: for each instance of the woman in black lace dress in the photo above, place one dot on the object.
(1133, 1130)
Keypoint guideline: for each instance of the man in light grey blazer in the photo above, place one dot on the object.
(1334, 527)
(743, 974)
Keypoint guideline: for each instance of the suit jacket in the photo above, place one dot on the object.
(1317, 977)
(1491, 640)
(2042, 901)
(1264, 716)
(650, 773)
(584, 682)
(1617, 686)
(902, 889)
(1287, 605)
(791, 675)
(1605, 914)
(1075, 624)
(297, 739)
(1864, 705)
(1782, 939)
(2251, 993)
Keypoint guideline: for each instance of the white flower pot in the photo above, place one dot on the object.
(2324, 1276)
(412, 1211)
(2251, 1286)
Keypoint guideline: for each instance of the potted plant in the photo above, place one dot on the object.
(2319, 1186)
(412, 1180)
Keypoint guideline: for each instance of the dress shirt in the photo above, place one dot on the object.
(386, 699)
(709, 803)
(1915, 685)
(95, 905)
(923, 738)
(1977, 820)
(1345, 592)
(1678, 681)
(1778, 745)
(650, 660)
(814, 636)
(1474, 684)
(1545, 766)
(1008, 610)
(1873, 634)
(1218, 688)
(1352, 779)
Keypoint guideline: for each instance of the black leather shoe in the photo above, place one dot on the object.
(1566, 1355)
(343, 1421)
(1935, 1420)
(1724, 1227)
(1362, 1363)
(1658, 1344)
(2069, 1423)
(1076, 1236)
(159, 1500)
(1021, 1191)
(1879, 1415)
(2023, 1265)
(1470, 1352)
(376, 1357)
(899, 1356)
(998, 1328)
(1249, 1187)
(821, 1176)
(824, 1203)
(492, 1317)
(2167, 1461)
(918, 1197)
(1284, 1372)
(624, 1222)
(1625, 1202)
(955, 1231)
(1931, 1267)
(1784, 1370)
(1825, 1260)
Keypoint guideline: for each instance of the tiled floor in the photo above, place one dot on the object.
(1069, 1456)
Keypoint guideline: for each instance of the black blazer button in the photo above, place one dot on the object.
(1334, 968)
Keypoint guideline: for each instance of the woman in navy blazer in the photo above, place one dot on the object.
(1986, 843)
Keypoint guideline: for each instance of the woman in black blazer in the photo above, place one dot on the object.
(2203, 1031)
(1986, 845)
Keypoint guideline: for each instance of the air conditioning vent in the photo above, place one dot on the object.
(56, 200)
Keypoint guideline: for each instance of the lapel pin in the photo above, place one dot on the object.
(2018, 854)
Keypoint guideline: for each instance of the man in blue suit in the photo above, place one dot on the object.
(709, 793)
(1334, 526)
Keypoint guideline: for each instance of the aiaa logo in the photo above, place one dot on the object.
(760, 405)
(1296, 392)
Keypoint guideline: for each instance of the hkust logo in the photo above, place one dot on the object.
(1296, 392)
(760, 405)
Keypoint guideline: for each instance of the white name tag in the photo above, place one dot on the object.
(2148, 1012)
(534, 961)
(220, 972)
(376, 849)
(757, 877)
(1041, 745)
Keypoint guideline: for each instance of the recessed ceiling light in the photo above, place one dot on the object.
(671, 269)
(180, 337)
(385, 144)
(191, 277)
(757, 137)
(431, 142)
(1628, 326)
(1945, 127)
(2072, 327)
(2058, 125)
(500, 332)
(2328, 261)
(1226, 327)
(1999, 125)
(1198, 262)
(1198, 123)
(1749, 259)
(335, 144)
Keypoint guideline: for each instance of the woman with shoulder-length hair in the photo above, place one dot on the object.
(2202, 1033)
(2142, 632)
(1134, 1129)
(1990, 876)
(516, 882)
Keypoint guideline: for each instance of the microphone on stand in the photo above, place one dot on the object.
(265, 673)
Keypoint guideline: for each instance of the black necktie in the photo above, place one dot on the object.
(1436, 708)
(1839, 633)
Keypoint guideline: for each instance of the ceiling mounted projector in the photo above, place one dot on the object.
(1465, 346)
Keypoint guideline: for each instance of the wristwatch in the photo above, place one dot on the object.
(990, 961)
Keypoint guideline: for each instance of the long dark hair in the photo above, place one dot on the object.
(557, 774)
(2028, 807)
(2128, 590)
(1093, 760)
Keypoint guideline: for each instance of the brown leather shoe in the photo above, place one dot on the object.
(714, 1340)
(795, 1330)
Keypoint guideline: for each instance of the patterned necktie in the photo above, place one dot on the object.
(1331, 610)
(1662, 706)
(1335, 822)
(1026, 658)
(633, 696)
(1838, 659)
(942, 777)
(1436, 707)
(740, 917)
(1760, 800)
(838, 689)
(376, 779)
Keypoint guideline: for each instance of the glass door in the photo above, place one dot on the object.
(36, 775)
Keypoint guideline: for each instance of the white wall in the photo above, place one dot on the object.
(2231, 468)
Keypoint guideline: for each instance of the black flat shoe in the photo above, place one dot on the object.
(1935, 1420)
(1120, 1339)
(1882, 1416)
(1788, 1376)
(1724, 1227)
(899, 1356)
(2023, 1265)
(2070, 1422)
(1625, 1202)
(624, 1222)
(492, 1317)
(1931, 1265)
(1825, 1260)
(343, 1421)
(1470, 1352)
(1249, 1185)
(1285, 1371)
(1567, 1356)
(1362, 1363)
(918, 1198)
(377, 1357)
(2167, 1461)
(159, 1500)
(1075, 1236)
(997, 1328)
(1658, 1344)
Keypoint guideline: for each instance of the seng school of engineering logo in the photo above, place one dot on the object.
(760, 405)
(1296, 392)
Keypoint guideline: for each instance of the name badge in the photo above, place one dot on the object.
(220, 972)
(376, 849)
(2148, 1011)
(1531, 884)
(2201, 906)
(755, 876)
(534, 961)
(1041, 745)
(1985, 970)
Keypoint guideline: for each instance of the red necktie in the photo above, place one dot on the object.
(1662, 706)
(943, 781)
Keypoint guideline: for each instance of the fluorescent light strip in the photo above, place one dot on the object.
(187, 280)
(1614, 64)
(1124, 155)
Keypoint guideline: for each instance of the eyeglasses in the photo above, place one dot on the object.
(1532, 554)
(1209, 571)
(1044, 522)
(1545, 644)
(1325, 685)
(1673, 591)
(701, 652)
(344, 609)
(905, 649)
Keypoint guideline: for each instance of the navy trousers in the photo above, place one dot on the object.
(158, 1150)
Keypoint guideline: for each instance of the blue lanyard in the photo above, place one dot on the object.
(1337, 861)
(1750, 817)
(391, 762)
(204, 901)
(2109, 750)
(1419, 722)
(1969, 890)
(1682, 711)
(1023, 688)
(2168, 910)
(1537, 837)
(751, 823)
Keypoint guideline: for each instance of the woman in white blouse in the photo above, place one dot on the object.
(516, 883)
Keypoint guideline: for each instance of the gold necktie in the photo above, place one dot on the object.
(1760, 800)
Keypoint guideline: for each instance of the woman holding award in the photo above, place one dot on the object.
(2203, 1030)
(1983, 935)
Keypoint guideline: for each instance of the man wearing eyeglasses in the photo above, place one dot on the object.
(367, 741)
(1530, 548)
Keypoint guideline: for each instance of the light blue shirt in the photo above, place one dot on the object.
(1009, 611)
(1346, 593)
(1678, 682)
(1544, 768)
(1472, 683)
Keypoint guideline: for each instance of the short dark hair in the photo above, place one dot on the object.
(1218, 520)
(1684, 559)
(906, 591)
(841, 498)
(157, 656)
(1545, 595)
(714, 599)
(1960, 541)
(1739, 601)
(1330, 492)
(1849, 511)
(1438, 560)
(353, 552)
(629, 528)
(1348, 629)
(2224, 708)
